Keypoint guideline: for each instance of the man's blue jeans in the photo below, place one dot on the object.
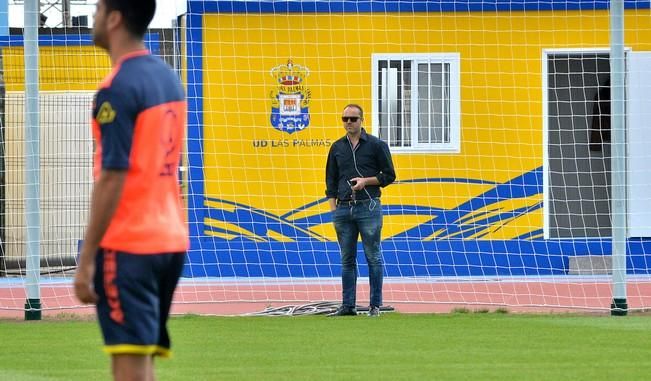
(363, 218)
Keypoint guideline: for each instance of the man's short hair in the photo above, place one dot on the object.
(361, 111)
(137, 14)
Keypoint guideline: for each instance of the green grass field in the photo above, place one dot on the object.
(458, 346)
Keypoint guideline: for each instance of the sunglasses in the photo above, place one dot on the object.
(352, 119)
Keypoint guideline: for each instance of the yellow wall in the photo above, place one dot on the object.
(501, 95)
(61, 68)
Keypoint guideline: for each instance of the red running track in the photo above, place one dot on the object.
(214, 297)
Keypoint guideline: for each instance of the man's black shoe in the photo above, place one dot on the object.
(345, 311)
(374, 311)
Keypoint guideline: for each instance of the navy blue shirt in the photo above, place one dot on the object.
(371, 158)
(139, 121)
(142, 82)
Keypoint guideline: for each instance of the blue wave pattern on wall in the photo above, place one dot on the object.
(462, 221)
(243, 241)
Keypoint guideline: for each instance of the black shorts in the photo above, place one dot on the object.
(135, 296)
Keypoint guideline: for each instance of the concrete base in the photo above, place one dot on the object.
(591, 265)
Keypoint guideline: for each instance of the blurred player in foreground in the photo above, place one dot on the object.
(135, 242)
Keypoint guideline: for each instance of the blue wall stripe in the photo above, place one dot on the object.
(277, 7)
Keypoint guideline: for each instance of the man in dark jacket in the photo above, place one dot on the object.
(358, 165)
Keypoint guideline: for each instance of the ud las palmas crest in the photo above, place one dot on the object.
(290, 100)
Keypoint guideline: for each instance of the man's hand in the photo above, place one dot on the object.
(103, 202)
(332, 203)
(360, 183)
(363, 182)
(84, 289)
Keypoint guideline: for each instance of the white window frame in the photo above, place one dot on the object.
(454, 101)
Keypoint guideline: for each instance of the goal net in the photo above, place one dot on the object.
(70, 69)
(497, 115)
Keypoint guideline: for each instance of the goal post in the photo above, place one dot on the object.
(619, 306)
